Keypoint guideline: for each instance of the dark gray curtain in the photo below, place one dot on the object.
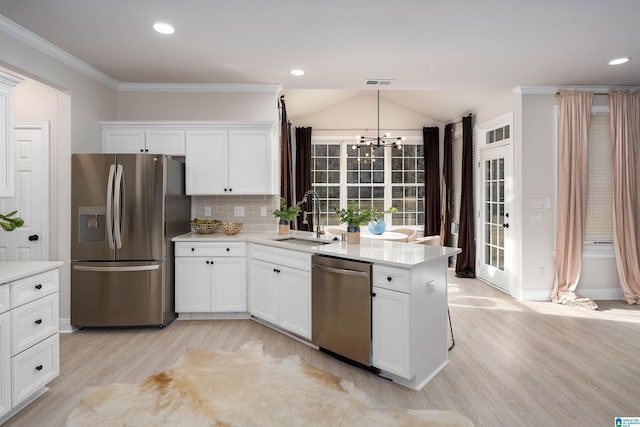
(431, 140)
(286, 157)
(466, 261)
(303, 173)
(446, 239)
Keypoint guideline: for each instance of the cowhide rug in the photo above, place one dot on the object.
(245, 388)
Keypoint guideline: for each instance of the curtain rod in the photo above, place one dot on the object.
(366, 130)
(595, 93)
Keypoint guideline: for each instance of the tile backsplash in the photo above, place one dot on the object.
(223, 208)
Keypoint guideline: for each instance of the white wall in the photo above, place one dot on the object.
(535, 175)
(352, 116)
(81, 103)
(197, 106)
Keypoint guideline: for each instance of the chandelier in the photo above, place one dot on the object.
(375, 142)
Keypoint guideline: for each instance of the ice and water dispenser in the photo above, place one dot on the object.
(92, 222)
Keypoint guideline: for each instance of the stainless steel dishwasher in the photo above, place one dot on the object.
(341, 307)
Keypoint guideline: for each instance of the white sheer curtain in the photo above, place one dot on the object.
(575, 112)
(624, 107)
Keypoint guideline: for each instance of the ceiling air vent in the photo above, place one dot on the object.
(378, 82)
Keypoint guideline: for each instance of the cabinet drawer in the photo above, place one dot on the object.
(32, 322)
(33, 287)
(211, 249)
(34, 368)
(283, 257)
(5, 298)
(395, 279)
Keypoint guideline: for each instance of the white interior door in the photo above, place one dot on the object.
(495, 216)
(31, 200)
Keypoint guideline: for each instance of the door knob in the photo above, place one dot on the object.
(33, 237)
(505, 225)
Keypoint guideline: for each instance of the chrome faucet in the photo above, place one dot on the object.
(315, 199)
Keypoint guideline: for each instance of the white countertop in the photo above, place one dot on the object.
(405, 255)
(14, 270)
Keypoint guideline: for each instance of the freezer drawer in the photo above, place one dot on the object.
(117, 293)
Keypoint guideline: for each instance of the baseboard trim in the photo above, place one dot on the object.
(213, 316)
(65, 326)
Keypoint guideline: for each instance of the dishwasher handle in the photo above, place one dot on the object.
(341, 271)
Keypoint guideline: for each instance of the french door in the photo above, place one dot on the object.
(495, 216)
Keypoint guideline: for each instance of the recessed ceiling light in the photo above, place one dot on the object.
(297, 72)
(163, 28)
(619, 61)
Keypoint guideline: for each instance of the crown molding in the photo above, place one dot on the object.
(9, 79)
(22, 34)
(199, 87)
(552, 90)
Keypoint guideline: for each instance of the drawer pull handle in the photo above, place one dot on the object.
(389, 278)
(39, 321)
(207, 262)
(193, 249)
(39, 368)
(228, 249)
(38, 286)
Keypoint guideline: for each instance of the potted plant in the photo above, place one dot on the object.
(376, 224)
(285, 215)
(354, 218)
(8, 223)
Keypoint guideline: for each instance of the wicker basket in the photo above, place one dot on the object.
(231, 228)
(205, 227)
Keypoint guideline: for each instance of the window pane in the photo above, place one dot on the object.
(334, 150)
(319, 150)
(334, 192)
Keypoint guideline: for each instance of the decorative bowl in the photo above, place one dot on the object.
(231, 228)
(205, 226)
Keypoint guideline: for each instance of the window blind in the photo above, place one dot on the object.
(599, 220)
(457, 173)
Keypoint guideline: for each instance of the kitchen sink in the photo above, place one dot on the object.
(305, 242)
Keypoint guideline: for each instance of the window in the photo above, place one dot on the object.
(384, 177)
(599, 220)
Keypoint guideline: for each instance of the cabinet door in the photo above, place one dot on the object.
(5, 364)
(123, 140)
(391, 347)
(228, 285)
(206, 162)
(264, 291)
(295, 303)
(193, 284)
(165, 141)
(250, 168)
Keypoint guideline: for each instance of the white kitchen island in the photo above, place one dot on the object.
(29, 343)
(409, 294)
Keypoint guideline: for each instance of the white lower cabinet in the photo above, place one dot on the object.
(5, 363)
(210, 277)
(29, 339)
(390, 331)
(280, 288)
(409, 322)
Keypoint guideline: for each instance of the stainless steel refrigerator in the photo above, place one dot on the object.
(125, 209)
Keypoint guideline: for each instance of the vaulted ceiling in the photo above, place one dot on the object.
(446, 57)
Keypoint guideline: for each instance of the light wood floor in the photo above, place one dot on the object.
(514, 363)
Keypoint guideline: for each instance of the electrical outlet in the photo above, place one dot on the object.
(207, 211)
(238, 211)
(263, 211)
(431, 286)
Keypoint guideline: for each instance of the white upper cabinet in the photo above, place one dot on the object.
(128, 137)
(228, 159)
(7, 82)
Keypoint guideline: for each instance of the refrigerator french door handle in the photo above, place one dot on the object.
(116, 269)
(117, 207)
(109, 224)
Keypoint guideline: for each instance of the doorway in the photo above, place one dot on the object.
(31, 200)
(495, 249)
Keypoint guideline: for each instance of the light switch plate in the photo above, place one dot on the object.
(536, 217)
(263, 211)
(207, 211)
(238, 211)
